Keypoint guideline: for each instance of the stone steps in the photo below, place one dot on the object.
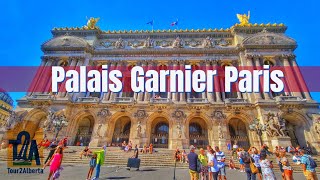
(162, 158)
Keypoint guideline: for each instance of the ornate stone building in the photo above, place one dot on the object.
(6, 104)
(175, 119)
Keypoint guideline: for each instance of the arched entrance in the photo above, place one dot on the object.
(160, 133)
(121, 131)
(198, 132)
(238, 133)
(84, 131)
(295, 130)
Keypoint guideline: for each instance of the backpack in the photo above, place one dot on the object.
(312, 163)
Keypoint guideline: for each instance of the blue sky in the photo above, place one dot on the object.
(27, 24)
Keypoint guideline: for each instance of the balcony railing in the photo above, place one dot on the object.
(123, 100)
(289, 99)
(236, 101)
(41, 97)
(160, 100)
(87, 100)
(197, 100)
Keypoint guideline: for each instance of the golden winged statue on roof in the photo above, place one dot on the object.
(244, 18)
(91, 23)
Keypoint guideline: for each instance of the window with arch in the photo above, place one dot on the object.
(195, 129)
(126, 128)
(162, 128)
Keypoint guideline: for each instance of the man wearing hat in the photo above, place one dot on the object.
(193, 160)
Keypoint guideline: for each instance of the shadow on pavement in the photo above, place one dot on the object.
(147, 170)
(118, 177)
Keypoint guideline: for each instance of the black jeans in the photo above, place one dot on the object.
(250, 175)
(49, 156)
(215, 175)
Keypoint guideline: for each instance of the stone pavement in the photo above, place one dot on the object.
(79, 172)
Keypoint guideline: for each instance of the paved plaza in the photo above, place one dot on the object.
(80, 172)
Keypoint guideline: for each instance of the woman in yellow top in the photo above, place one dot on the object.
(203, 159)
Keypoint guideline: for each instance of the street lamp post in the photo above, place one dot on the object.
(257, 127)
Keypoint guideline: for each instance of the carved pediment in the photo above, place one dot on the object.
(268, 39)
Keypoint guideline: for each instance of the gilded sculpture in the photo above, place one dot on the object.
(244, 19)
(91, 23)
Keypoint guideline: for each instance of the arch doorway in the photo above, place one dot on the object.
(121, 131)
(238, 133)
(160, 133)
(198, 133)
(295, 130)
(84, 131)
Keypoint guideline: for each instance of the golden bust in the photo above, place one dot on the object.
(91, 24)
(244, 18)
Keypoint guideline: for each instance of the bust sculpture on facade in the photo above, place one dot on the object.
(207, 43)
(177, 43)
(119, 44)
(148, 43)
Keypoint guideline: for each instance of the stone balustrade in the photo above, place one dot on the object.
(289, 99)
(160, 100)
(123, 100)
(235, 101)
(197, 100)
(40, 97)
(88, 100)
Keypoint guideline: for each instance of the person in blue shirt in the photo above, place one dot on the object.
(221, 158)
(92, 164)
(256, 157)
(308, 171)
(213, 165)
(193, 163)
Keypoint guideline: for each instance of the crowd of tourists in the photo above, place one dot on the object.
(256, 163)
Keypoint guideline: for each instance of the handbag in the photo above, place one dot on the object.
(253, 167)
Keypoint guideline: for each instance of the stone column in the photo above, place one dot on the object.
(147, 95)
(72, 66)
(182, 94)
(174, 94)
(300, 78)
(289, 73)
(216, 79)
(106, 95)
(256, 59)
(140, 94)
(40, 71)
(44, 78)
(209, 94)
(114, 65)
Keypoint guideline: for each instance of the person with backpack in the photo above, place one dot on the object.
(247, 159)
(308, 166)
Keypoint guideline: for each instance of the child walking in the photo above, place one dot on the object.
(92, 163)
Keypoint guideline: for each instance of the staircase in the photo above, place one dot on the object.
(114, 157)
(162, 158)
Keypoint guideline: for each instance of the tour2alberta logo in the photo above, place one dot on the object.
(24, 156)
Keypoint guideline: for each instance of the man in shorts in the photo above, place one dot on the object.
(221, 158)
(193, 160)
